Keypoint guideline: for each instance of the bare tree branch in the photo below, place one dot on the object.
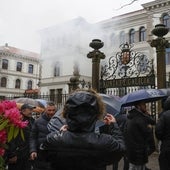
(127, 4)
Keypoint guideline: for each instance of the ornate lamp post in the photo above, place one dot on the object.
(160, 43)
(96, 55)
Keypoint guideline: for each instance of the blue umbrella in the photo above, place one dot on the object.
(146, 95)
(113, 103)
(166, 91)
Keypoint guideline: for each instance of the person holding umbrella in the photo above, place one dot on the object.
(138, 136)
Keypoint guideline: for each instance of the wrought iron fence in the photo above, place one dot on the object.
(58, 99)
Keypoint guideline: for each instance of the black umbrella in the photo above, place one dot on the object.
(146, 95)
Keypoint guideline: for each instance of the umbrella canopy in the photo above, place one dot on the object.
(113, 106)
(42, 101)
(113, 103)
(166, 91)
(25, 100)
(37, 109)
(146, 95)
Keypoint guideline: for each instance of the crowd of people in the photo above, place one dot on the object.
(75, 143)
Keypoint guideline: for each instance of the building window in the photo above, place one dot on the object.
(142, 34)
(17, 83)
(122, 37)
(30, 68)
(168, 56)
(59, 95)
(131, 36)
(29, 85)
(52, 94)
(166, 20)
(57, 69)
(3, 82)
(4, 64)
(19, 66)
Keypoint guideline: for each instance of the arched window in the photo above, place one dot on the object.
(131, 36)
(29, 85)
(166, 20)
(122, 37)
(19, 66)
(3, 82)
(142, 34)
(30, 68)
(17, 83)
(4, 64)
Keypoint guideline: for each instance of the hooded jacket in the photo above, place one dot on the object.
(80, 147)
(137, 136)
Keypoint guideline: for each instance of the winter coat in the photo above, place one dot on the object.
(86, 151)
(19, 147)
(81, 146)
(37, 137)
(139, 137)
(39, 132)
(162, 128)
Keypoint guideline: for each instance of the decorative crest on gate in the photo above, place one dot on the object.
(127, 64)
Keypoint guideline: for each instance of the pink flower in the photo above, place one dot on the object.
(9, 117)
(2, 151)
(2, 108)
(14, 116)
(9, 104)
(3, 136)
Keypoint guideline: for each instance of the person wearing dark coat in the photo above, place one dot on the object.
(18, 150)
(77, 145)
(38, 136)
(121, 120)
(139, 137)
(162, 132)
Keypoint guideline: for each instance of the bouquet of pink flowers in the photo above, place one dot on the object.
(11, 125)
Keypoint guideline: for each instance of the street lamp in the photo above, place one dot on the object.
(96, 55)
(160, 43)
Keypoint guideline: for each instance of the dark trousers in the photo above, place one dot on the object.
(125, 162)
(164, 160)
(21, 164)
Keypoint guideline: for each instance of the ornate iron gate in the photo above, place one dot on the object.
(126, 72)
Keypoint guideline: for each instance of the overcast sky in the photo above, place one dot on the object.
(20, 20)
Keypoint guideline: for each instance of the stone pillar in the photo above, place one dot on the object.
(96, 55)
(160, 43)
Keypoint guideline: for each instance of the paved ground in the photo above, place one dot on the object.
(152, 164)
(153, 161)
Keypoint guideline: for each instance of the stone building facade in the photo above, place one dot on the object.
(19, 71)
(63, 45)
